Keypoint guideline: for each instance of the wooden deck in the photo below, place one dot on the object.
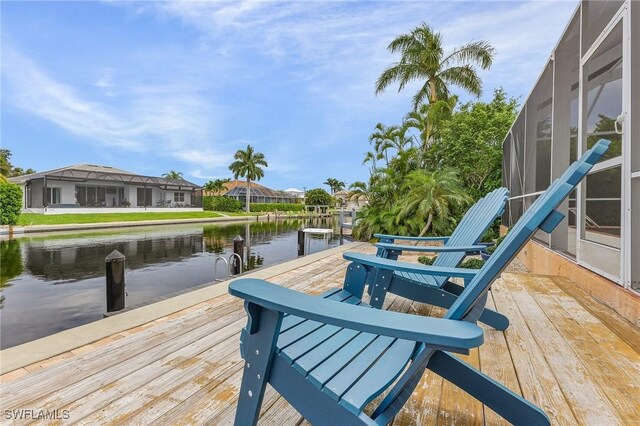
(577, 360)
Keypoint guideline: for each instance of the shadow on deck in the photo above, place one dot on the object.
(565, 352)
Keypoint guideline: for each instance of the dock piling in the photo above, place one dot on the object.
(238, 249)
(116, 287)
(301, 242)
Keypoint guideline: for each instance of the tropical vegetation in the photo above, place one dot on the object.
(422, 59)
(334, 184)
(9, 170)
(425, 171)
(318, 197)
(248, 163)
(472, 142)
(215, 187)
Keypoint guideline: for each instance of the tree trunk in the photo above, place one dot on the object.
(248, 195)
(426, 227)
(432, 86)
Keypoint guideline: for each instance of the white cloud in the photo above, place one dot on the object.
(342, 45)
(159, 121)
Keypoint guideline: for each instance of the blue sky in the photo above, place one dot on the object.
(155, 86)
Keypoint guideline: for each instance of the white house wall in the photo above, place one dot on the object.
(68, 197)
(36, 193)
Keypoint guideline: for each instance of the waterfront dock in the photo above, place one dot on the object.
(178, 361)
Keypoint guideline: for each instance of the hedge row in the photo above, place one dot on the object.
(221, 204)
(272, 207)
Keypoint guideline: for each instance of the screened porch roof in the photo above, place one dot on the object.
(257, 191)
(91, 172)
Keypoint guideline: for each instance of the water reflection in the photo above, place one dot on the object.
(10, 261)
(55, 282)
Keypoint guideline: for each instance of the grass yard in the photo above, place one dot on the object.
(62, 219)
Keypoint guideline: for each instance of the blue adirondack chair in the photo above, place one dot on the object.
(331, 356)
(439, 290)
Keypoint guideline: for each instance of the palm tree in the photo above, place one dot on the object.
(381, 139)
(356, 190)
(334, 184)
(172, 174)
(247, 164)
(428, 120)
(432, 195)
(372, 157)
(422, 58)
(399, 138)
(216, 186)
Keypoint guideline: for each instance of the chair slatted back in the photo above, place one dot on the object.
(472, 227)
(541, 215)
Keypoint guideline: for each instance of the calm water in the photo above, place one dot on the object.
(51, 283)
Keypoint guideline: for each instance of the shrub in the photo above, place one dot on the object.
(426, 260)
(318, 197)
(472, 263)
(492, 233)
(493, 248)
(10, 203)
(221, 204)
(272, 207)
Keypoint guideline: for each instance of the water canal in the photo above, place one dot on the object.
(53, 282)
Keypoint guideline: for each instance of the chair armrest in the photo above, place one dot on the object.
(394, 265)
(432, 249)
(434, 332)
(404, 237)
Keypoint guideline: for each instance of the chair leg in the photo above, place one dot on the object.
(494, 319)
(508, 404)
(259, 345)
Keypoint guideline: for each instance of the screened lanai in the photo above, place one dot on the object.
(589, 89)
(260, 194)
(91, 186)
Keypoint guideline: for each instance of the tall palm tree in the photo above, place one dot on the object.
(432, 195)
(172, 174)
(334, 184)
(422, 58)
(247, 164)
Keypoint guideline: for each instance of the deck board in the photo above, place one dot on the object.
(563, 351)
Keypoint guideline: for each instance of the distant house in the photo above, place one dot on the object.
(294, 192)
(343, 200)
(89, 188)
(259, 194)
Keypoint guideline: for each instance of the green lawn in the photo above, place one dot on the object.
(60, 219)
